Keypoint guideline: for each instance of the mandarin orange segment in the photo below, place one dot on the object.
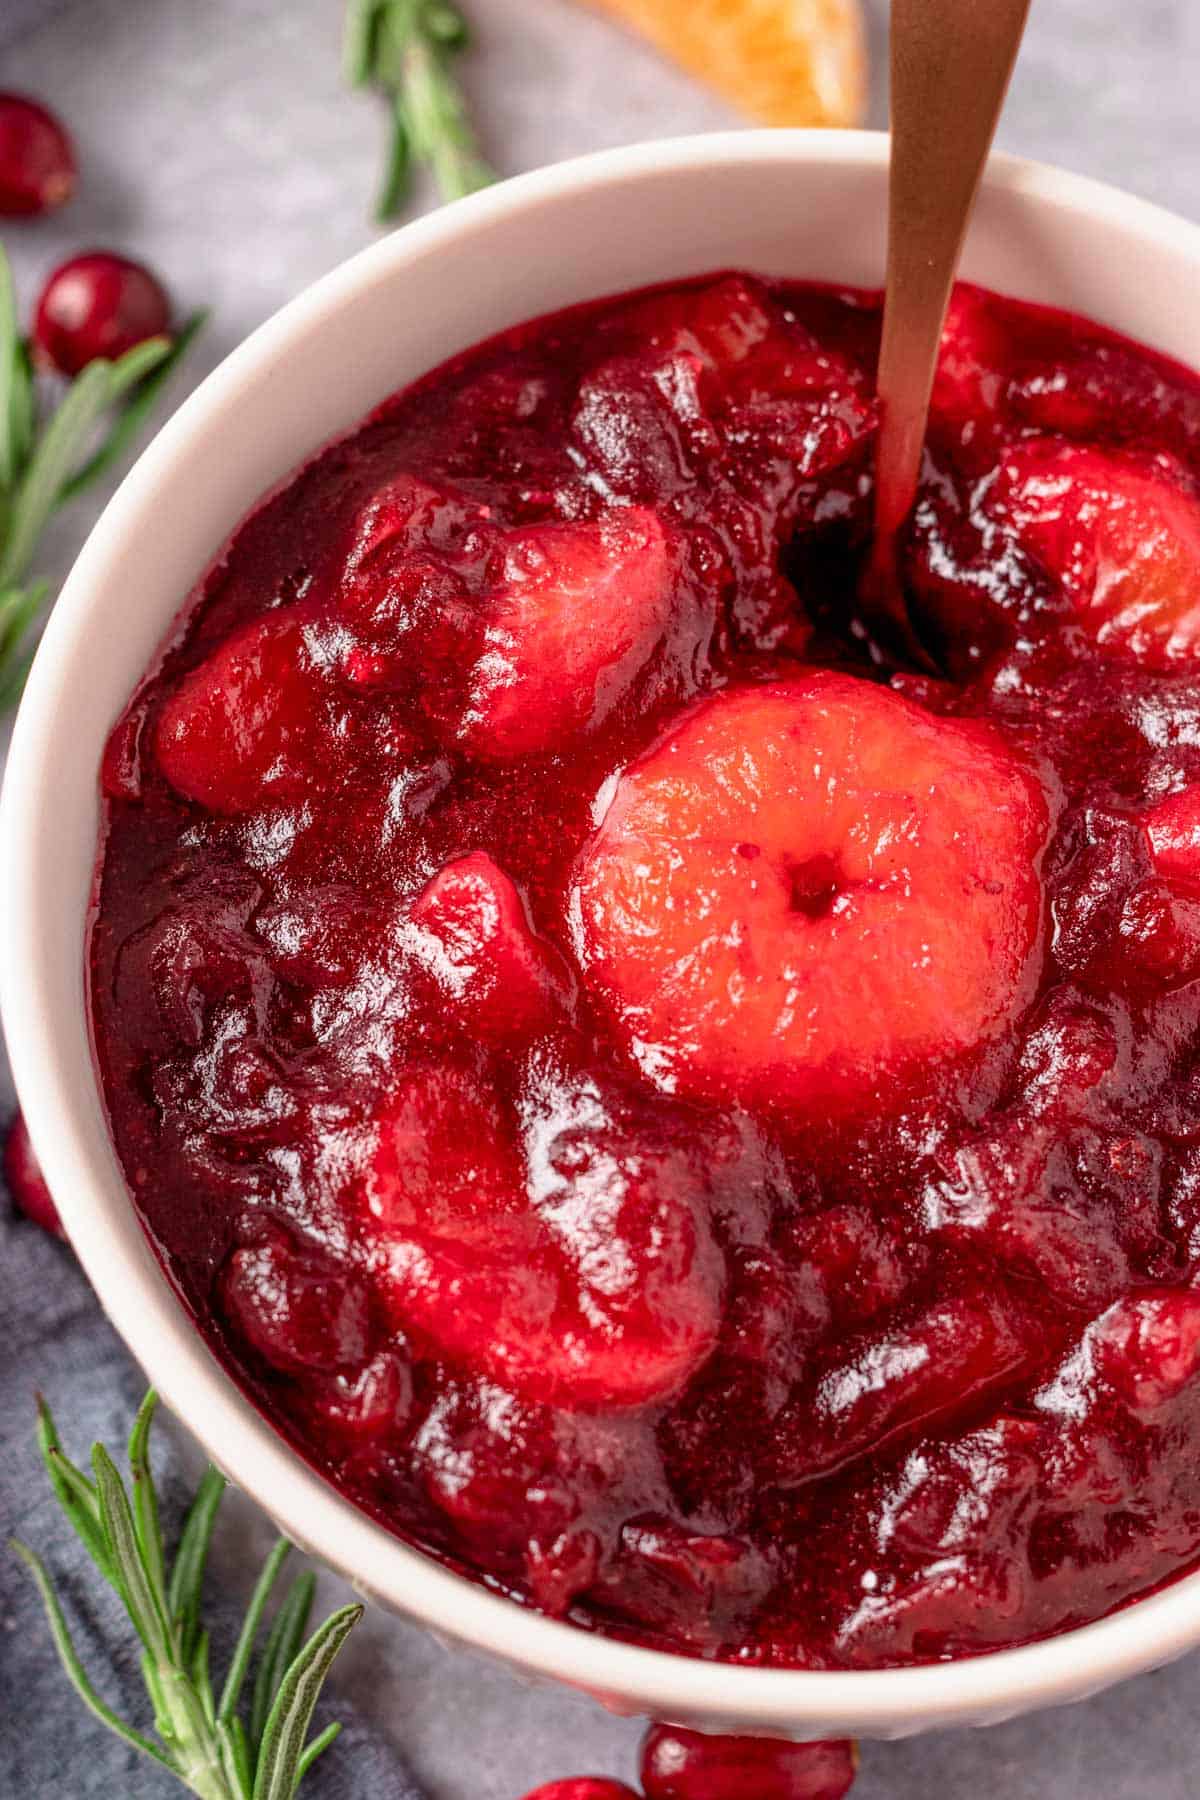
(809, 892)
(786, 62)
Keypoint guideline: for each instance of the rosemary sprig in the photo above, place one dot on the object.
(46, 462)
(202, 1739)
(405, 48)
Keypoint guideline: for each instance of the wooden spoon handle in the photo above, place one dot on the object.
(951, 65)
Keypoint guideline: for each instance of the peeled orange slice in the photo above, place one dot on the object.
(786, 62)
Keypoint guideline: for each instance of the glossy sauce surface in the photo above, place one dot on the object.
(689, 1120)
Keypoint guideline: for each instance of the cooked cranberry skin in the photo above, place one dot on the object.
(368, 1402)
(97, 304)
(26, 1183)
(37, 159)
(582, 1787)
(295, 1307)
(688, 1765)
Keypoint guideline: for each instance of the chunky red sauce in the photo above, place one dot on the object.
(673, 1111)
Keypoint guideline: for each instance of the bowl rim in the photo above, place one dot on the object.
(155, 1326)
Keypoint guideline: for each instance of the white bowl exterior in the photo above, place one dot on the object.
(788, 203)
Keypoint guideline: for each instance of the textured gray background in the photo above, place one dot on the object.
(216, 139)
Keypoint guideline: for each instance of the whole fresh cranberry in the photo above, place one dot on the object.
(26, 1183)
(689, 1765)
(37, 159)
(583, 1787)
(97, 304)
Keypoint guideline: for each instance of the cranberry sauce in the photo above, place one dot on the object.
(671, 1110)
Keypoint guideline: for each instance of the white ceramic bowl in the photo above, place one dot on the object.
(785, 203)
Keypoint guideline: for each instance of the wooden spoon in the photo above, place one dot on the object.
(951, 64)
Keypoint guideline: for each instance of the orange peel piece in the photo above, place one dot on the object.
(786, 62)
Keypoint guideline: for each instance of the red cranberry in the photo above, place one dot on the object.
(583, 1787)
(97, 304)
(295, 1306)
(37, 159)
(371, 1401)
(688, 1765)
(857, 1259)
(704, 1588)
(26, 1183)
(1147, 1347)
(560, 1571)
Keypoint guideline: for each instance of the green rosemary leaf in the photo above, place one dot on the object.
(320, 1743)
(398, 27)
(145, 1602)
(235, 1679)
(71, 1663)
(235, 1753)
(72, 1489)
(201, 1678)
(16, 394)
(405, 47)
(359, 39)
(22, 406)
(61, 1470)
(282, 1646)
(10, 356)
(397, 171)
(162, 1716)
(136, 364)
(283, 1738)
(19, 607)
(13, 679)
(446, 25)
(83, 404)
(187, 1572)
(15, 663)
(153, 373)
(438, 126)
(145, 1499)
